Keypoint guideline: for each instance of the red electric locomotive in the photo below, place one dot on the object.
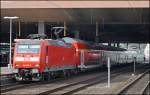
(37, 59)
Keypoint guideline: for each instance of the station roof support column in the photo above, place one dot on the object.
(97, 33)
(65, 27)
(77, 34)
(19, 28)
(41, 27)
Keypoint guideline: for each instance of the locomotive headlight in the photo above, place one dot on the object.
(17, 65)
(35, 70)
(36, 65)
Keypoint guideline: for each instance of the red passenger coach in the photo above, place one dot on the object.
(86, 57)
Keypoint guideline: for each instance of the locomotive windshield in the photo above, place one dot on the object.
(28, 48)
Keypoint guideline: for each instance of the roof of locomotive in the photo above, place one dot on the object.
(72, 40)
(34, 41)
(38, 41)
(65, 40)
(27, 41)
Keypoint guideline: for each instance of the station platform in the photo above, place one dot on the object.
(5, 71)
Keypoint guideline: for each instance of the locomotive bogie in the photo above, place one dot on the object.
(27, 75)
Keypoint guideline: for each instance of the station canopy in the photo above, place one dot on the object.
(76, 11)
(121, 18)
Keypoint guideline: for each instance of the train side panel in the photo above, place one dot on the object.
(60, 58)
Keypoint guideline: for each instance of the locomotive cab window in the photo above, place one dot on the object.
(28, 48)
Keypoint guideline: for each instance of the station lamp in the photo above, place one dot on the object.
(10, 36)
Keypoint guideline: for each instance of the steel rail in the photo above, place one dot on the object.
(46, 82)
(19, 86)
(103, 77)
(144, 89)
(9, 87)
(91, 84)
(123, 89)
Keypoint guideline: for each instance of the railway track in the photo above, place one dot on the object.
(20, 86)
(17, 85)
(138, 86)
(8, 85)
(146, 90)
(72, 88)
(75, 87)
(6, 79)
